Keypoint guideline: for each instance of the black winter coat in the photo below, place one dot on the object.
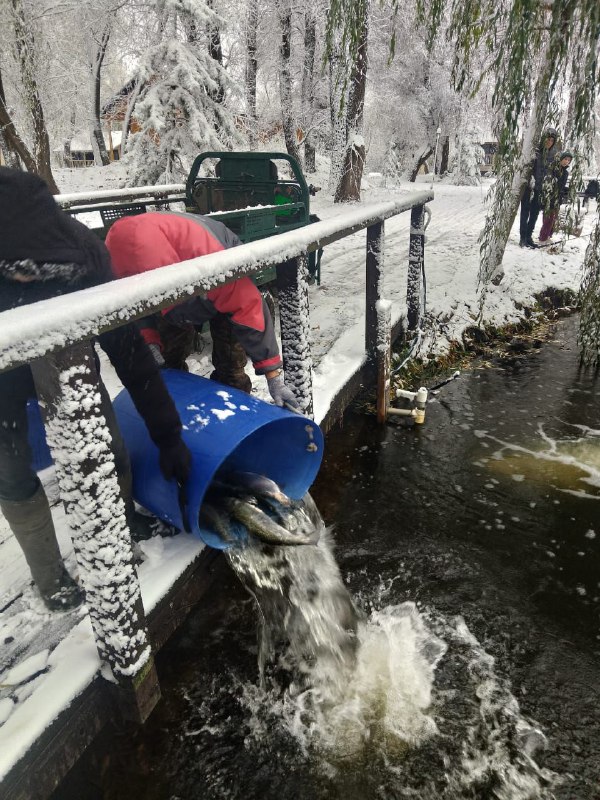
(61, 256)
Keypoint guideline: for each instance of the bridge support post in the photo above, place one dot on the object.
(68, 387)
(416, 261)
(292, 287)
(378, 319)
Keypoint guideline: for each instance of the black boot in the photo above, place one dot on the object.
(31, 522)
(530, 243)
(523, 241)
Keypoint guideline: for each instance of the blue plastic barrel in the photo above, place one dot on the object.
(41, 458)
(223, 428)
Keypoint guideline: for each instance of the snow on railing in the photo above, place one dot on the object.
(71, 199)
(55, 336)
(35, 330)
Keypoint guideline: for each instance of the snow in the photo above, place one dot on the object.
(336, 332)
(101, 195)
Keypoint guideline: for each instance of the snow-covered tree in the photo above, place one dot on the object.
(468, 156)
(348, 31)
(36, 157)
(179, 108)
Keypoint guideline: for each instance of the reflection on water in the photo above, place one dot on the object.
(570, 464)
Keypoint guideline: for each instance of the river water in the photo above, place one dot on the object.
(470, 547)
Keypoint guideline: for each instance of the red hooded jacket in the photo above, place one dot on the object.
(156, 239)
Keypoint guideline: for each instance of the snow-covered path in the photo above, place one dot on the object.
(337, 324)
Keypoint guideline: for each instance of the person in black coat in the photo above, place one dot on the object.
(45, 253)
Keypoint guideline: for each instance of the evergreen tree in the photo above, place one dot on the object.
(180, 109)
(468, 155)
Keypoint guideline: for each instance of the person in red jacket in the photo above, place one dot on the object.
(235, 311)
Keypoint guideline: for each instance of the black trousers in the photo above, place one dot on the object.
(531, 206)
(18, 481)
(228, 356)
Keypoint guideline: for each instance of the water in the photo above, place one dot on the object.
(463, 662)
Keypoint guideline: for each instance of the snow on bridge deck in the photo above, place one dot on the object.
(52, 667)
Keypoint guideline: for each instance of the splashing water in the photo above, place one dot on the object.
(341, 682)
(357, 692)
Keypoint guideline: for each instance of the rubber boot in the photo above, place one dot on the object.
(31, 522)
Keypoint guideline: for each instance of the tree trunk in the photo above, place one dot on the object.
(285, 82)
(338, 100)
(251, 68)
(443, 168)
(101, 156)
(26, 52)
(215, 51)
(13, 147)
(348, 189)
(510, 185)
(125, 127)
(419, 163)
(308, 90)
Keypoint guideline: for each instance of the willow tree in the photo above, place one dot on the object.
(528, 47)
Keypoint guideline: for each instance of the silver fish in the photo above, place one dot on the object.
(252, 483)
(265, 527)
(211, 517)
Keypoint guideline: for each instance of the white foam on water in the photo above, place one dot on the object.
(359, 692)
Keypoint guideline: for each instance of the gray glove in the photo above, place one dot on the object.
(282, 395)
(158, 357)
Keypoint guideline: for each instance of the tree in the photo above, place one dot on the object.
(26, 55)
(97, 137)
(308, 89)
(290, 126)
(468, 155)
(347, 37)
(178, 108)
(251, 67)
(527, 45)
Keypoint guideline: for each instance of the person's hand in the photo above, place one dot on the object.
(282, 395)
(175, 461)
(158, 356)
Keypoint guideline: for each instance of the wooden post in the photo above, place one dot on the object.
(374, 269)
(378, 318)
(415, 266)
(384, 347)
(292, 287)
(67, 384)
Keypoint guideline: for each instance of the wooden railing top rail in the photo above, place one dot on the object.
(66, 201)
(35, 330)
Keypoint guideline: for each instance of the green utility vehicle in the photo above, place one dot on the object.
(247, 191)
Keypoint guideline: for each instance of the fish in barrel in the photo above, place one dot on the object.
(261, 508)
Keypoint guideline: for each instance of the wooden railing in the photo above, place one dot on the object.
(54, 337)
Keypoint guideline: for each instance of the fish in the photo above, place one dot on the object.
(212, 518)
(252, 483)
(264, 527)
(259, 505)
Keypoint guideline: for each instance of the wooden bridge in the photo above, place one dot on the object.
(118, 676)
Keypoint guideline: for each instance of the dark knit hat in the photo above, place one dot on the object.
(34, 227)
(565, 154)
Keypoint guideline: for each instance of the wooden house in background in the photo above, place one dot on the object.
(78, 151)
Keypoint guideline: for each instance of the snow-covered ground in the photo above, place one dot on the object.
(39, 676)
